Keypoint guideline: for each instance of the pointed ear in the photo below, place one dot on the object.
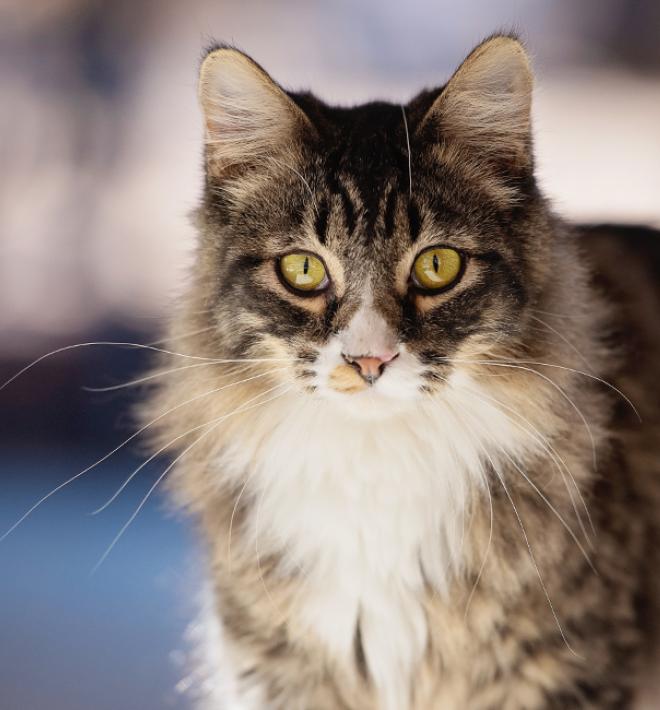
(486, 105)
(248, 117)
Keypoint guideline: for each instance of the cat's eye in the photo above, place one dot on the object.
(303, 272)
(436, 268)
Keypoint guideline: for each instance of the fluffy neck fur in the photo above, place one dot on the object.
(335, 523)
(367, 514)
(358, 558)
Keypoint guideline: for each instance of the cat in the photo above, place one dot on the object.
(410, 436)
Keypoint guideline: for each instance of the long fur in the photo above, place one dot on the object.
(473, 529)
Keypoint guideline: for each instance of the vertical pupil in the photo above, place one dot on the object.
(436, 263)
(306, 265)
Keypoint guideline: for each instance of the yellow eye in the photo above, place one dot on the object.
(304, 272)
(436, 268)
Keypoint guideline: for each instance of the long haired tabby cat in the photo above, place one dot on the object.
(411, 440)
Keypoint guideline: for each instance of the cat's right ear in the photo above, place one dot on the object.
(248, 117)
(485, 108)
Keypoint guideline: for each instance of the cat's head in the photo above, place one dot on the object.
(371, 248)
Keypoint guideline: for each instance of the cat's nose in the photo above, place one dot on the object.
(371, 367)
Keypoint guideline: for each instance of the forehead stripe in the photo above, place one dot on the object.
(349, 209)
(321, 221)
(390, 209)
(414, 221)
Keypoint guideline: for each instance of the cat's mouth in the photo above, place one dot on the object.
(357, 374)
(369, 385)
(346, 379)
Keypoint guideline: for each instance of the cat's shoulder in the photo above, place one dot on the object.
(619, 252)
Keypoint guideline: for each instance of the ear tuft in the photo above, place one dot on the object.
(486, 105)
(248, 117)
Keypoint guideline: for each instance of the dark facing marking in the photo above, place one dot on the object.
(369, 145)
(245, 263)
(360, 657)
(281, 314)
(321, 222)
(390, 211)
(458, 317)
(307, 355)
(349, 209)
(239, 272)
(414, 221)
(330, 313)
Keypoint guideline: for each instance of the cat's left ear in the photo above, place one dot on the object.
(248, 116)
(485, 108)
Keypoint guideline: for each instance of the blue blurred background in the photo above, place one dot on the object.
(100, 147)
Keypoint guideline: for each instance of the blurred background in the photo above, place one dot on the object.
(100, 147)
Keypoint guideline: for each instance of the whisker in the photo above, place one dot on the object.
(541, 495)
(570, 316)
(485, 558)
(163, 373)
(528, 545)
(143, 502)
(565, 340)
(172, 339)
(607, 384)
(108, 343)
(549, 449)
(147, 378)
(536, 567)
(102, 459)
(231, 519)
(559, 517)
(549, 381)
(164, 448)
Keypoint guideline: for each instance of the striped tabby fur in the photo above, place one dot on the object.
(476, 528)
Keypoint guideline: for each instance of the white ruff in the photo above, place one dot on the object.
(363, 509)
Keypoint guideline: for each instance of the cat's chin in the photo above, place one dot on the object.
(369, 404)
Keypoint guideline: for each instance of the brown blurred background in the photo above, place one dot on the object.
(100, 145)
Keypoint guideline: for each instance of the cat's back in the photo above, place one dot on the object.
(625, 263)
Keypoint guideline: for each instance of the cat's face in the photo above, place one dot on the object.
(372, 249)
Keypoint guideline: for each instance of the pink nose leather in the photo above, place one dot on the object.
(371, 366)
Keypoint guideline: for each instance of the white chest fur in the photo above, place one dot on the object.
(365, 511)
